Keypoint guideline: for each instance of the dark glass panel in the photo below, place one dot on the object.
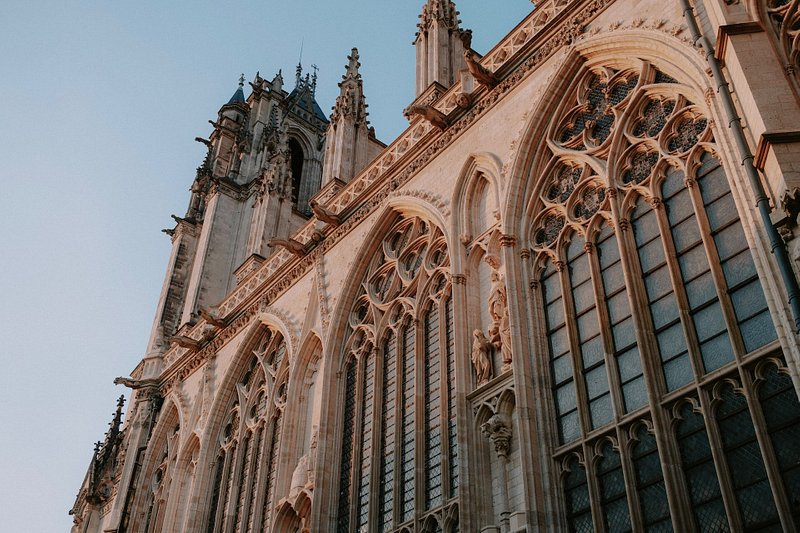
(716, 352)
(433, 422)
(343, 520)
(388, 433)
(781, 410)
(613, 503)
(650, 486)
(699, 472)
(743, 455)
(368, 401)
(407, 416)
(452, 437)
(576, 496)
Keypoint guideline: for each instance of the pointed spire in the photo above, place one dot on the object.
(352, 66)
(238, 96)
(298, 74)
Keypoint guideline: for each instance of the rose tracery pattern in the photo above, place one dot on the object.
(640, 168)
(654, 117)
(591, 199)
(686, 133)
(563, 183)
(591, 122)
(549, 230)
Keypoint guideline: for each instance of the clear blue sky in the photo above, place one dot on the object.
(101, 101)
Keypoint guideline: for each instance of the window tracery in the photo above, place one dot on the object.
(244, 471)
(785, 18)
(650, 295)
(400, 334)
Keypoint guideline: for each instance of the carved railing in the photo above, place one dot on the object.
(339, 200)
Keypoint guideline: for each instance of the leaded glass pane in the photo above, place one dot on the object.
(613, 502)
(407, 417)
(452, 437)
(781, 410)
(272, 469)
(752, 490)
(388, 433)
(561, 370)
(433, 420)
(367, 403)
(744, 287)
(218, 474)
(650, 486)
(699, 472)
(670, 337)
(576, 495)
(701, 292)
(587, 322)
(343, 519)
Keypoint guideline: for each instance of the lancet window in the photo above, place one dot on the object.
(659, 338)
(399, 444)
(161, 480)
(243, 482)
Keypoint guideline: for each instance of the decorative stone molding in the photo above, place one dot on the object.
(426, 196)
(498, 430)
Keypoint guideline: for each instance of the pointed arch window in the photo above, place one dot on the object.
(399, 388)
(650, 296)
(244, 470)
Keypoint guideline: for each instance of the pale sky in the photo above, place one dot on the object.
(101, 101)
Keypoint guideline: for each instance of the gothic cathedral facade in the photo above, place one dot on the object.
(565, 298)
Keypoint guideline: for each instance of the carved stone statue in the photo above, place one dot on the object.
(500, 330)
(481, 348)
(303, 475)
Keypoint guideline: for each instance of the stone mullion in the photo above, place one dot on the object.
(257, 496)
(398, 430)
(544, 408)
(233, 493)
(355, 467)
(629, 475)
(714, 264)
(419, 419)
(782, 502)
(590, 460)
(470, 497)
(377, 431)
(672, 469)
(720, 463)
(580, 389)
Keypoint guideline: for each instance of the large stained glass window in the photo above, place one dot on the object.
(660, 345)
(400, 343)
(248, 443)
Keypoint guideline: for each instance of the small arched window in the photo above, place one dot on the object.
(297, 161)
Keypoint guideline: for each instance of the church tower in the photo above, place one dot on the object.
(263, 164)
